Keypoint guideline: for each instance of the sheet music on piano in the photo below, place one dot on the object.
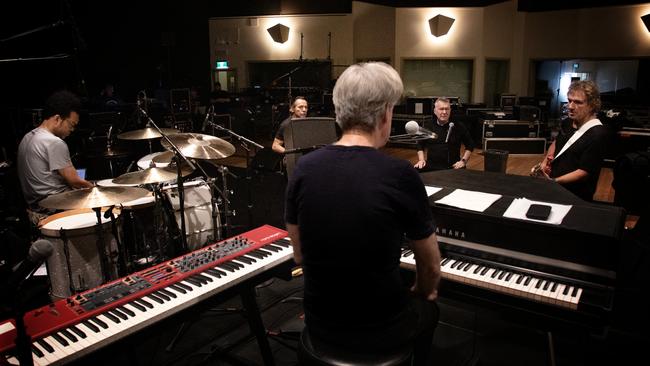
(469, 200)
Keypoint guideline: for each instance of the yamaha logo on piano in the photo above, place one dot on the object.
(450, 233)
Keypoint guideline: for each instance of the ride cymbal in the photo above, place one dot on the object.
(146, 133)
(199, 146)
(152, 175)
(93, 197)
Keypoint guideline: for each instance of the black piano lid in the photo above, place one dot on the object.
(589, 234)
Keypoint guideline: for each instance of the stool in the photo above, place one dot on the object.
(316, 353)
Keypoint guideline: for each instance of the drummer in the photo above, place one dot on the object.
(44, 164)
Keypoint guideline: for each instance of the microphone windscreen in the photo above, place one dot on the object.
(40, 250)
(412, 127)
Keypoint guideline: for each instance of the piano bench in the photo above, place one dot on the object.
(317, 353)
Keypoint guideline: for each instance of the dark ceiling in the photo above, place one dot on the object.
(286, 7)
(522, 5)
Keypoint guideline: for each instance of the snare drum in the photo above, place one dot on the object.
(198, 212)
(80, 261)
(145, 162)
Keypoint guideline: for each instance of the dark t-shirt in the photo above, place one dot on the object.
(441, 155)
(280, 134)
(353, 206)
(587, 154)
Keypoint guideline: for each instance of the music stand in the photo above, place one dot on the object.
(306, 134)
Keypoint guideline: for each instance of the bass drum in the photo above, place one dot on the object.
(85, 255)
(199, 227)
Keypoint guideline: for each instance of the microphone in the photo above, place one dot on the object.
(38, 252)
(413, 128)
(451, 125)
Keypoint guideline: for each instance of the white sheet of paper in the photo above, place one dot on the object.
(469, 200)
(520, 206)
(432, 190)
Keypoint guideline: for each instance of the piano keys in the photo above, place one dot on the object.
(71, 328)
(567, 270)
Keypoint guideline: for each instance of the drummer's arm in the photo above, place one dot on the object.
(73, 179)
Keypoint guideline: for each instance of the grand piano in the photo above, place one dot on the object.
(565, 272)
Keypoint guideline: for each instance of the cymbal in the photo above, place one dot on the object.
(110, 152)
(152, 175)
(199, 146)
(146, 133)
(163, 157)
(93, 197)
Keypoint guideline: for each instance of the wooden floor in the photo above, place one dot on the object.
(517, 165)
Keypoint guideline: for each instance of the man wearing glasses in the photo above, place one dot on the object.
(44, 164)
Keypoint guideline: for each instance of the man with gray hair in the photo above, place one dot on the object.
(348, 207)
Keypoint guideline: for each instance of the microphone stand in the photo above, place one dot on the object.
(178, 155)
(23, 341)
(289, 76)
(244, 142)
(407, 137)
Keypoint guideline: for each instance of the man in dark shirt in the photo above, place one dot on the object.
(348, 207)
(444, 151)
(574, 160)
(298, 109)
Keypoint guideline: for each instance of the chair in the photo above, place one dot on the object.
(313, 352)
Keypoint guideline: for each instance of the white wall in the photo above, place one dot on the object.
(374, 31)
(497, 31)
(239, 42)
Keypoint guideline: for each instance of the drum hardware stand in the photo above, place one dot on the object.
(178, 155)
(123, 265)
(157, 196)
(66, 251)
(244, 142)
(103, 260)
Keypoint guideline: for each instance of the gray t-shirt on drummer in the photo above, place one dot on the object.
(40, 155)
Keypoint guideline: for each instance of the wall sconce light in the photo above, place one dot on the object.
(646, 21)
(440, 25)
(279, 33)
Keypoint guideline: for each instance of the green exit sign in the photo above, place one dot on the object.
(222, 64)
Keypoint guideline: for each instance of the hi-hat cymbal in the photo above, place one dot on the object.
(93, 197)
(146, 133)
(152, 175)
(199, 146)
(110, 152)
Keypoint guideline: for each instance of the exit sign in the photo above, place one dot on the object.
(222, 64)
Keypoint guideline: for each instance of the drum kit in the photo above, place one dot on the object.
(139, 218)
